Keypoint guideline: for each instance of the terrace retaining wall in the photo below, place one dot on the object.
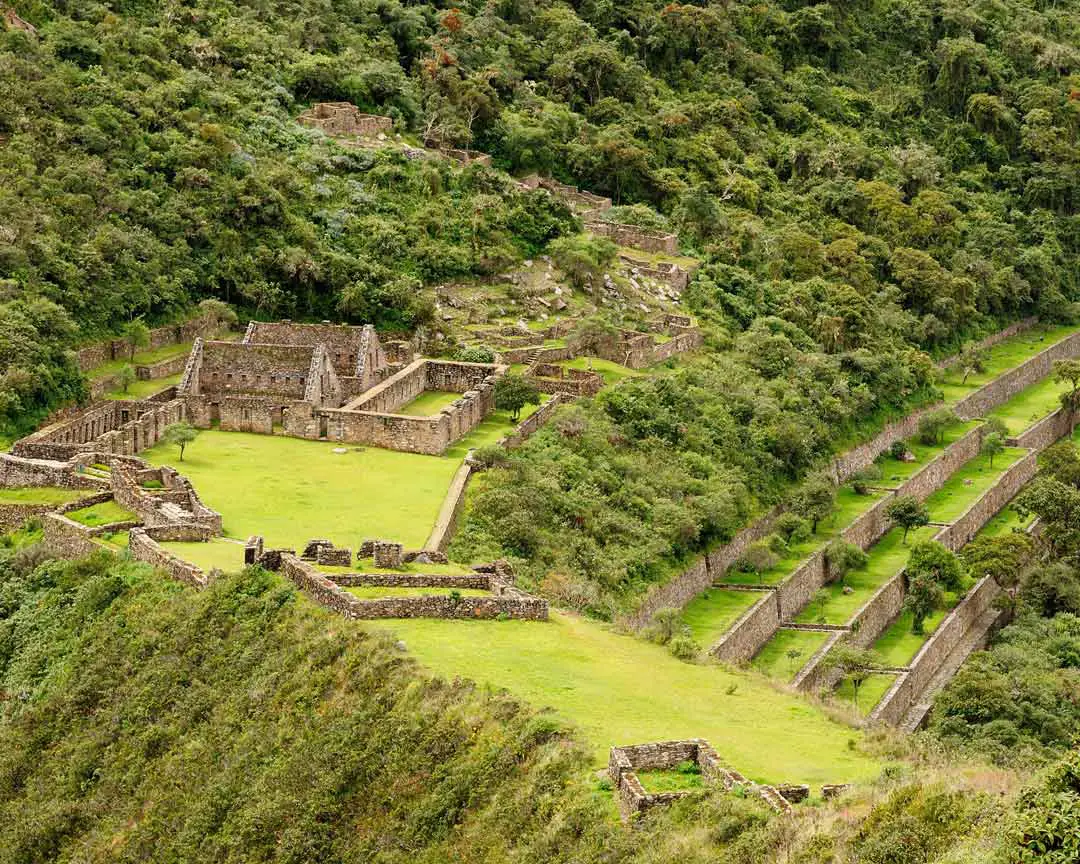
(1046, 432)
(99, 353)
(450, 511)
(993, 339)
(66, 538)
(145, 548)
(910, 686)
(18, 471)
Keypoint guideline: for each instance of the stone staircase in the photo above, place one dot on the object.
(975, 639)
(774, 799)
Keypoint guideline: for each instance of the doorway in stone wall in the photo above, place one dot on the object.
(215, 414)
(322, 426)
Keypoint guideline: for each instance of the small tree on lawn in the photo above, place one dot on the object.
(1069, 371)
(126, 376)
(843, 557)
(137, 335)
(924, 595)
(815, 500)
(933, 425)
(855, 664)
(992, 445)
(972, 359)
(180, 434)
(583, 258)
(514, 392)
(907, 512)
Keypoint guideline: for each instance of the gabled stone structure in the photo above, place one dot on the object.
(344, 118)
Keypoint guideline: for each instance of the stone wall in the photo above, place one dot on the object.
(993, 339)
(161, 369)
(635, 237)
(14, 516)
(1008, 384)
(671, 275)
(66, 538)
(353, 351)
(145, 548)
(534, 421)
(515, 604)
(481, 581)
(1044, 433)
(450, 511)
(238, 369)
(578, 200)
(910, 686)
(971, 521)
(344, 118)
(175, 502)
(92, 356)
(18, 471)
(550, 378)
(753, 629)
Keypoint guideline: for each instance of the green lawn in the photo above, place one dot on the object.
(374, 592)
(142, 358)
(612, 373)
(895, 471)
(712, 612)
(428, 403)
(1029, 406)
(1004, 523)
(491, 430)
(887, 558)
(145, 389)
(115, 542)
(870, 693)
(225, 555)
(104, 513)
(41, 495)
(621, 690)
(848, 507)
(898, 645)
(949, 502)
(773, 659)
(669, 781)
(1002, 357)
(291, 490)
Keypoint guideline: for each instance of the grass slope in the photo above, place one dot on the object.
(41, 495)
(621, 690)
(101, 514)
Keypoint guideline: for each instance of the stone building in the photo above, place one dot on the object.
(344, 118)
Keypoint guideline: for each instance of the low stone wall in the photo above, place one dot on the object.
(909, 687)
(1044, 433)
(753, 629)
(450, 511)
(17, 472)
(971, 521)
(1008, 384)
(92, 356)
(324, 591)
(993, 339)
(14, 516)
(534, 421)
(550, 378)
(635, 237)
(66, 538)
(145, 548)
(162, 369)
(480, 581)
(344, 118)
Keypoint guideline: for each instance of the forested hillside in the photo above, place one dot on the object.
(878, 175)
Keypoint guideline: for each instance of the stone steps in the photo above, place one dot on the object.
(976, 638)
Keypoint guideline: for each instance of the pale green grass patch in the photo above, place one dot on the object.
(104, 513)
(870, 692)
(712, 612)
(428, 403)
(621, 690)
(968, 483)
(1031, 405)
(612, 373)
(41, 495)
(773, 659)
(374, 592)
(145, 389)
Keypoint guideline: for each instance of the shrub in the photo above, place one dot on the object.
(792, 528)
(684, 647)
(475, 354)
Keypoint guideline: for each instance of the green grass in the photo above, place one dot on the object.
(374, 592)
(1004, 523)
(145, 389)
(115, 542)
(870, 693)
(225, 555)
(898, 645)
(490, 430)
(773, 661)
(949, 502)
(1002, 357)
(612, 373)
(1030, 405)
(142, 358)
(40, 495)
(622, 690)
(428, 403)
(712, 612)
(849, 506)
(886, 558)
(894, 471)
(291, 490)
(104, 513)
(669, 781)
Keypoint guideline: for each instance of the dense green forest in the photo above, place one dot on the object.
(864, 182)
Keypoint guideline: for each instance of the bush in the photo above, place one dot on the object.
(792, 528)
(475, 354)
(684, 647)
(665, 624)
(864, 479)
(898, 449)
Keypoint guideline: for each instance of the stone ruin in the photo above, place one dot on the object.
(326, 553)
(13, 22)
(334, 382)
(340, 119)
